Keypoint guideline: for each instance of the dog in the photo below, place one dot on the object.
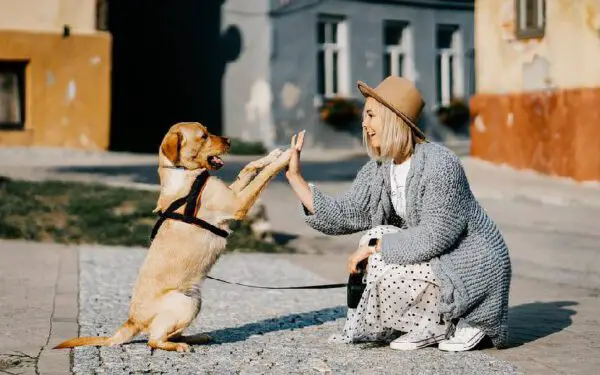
(166, 296)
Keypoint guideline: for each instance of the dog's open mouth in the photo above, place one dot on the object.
(215, 162)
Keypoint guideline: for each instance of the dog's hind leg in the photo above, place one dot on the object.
(251, 169)
(176, 314)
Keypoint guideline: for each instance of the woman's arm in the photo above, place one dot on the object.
(341, 215)
(302, 191)
(443, 216)
(345, 213)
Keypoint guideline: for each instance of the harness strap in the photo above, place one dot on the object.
(191, 202)
(199, 222)
(193, 199)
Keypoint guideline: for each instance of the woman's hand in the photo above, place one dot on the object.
(292, 173)
(359, 255)
(293, 169)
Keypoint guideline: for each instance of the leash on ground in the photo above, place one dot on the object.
(321, 286)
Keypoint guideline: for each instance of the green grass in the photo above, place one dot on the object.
(78, 213)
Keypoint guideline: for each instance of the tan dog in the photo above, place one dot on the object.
(166, 297)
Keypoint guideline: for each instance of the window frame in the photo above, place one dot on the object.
(452, 87)
(19, 68)
(522, 30)
(340, 47)
(404, 48)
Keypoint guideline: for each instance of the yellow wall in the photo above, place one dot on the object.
(567, 57)
(67, 88)
(48, 15)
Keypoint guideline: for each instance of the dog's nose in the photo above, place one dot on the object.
(228, 141)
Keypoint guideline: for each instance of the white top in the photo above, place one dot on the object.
(398, 174)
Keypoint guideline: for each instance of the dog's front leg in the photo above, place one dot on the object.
(247, 197)
(251, 169)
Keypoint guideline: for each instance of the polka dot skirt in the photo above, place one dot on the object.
(397, 298)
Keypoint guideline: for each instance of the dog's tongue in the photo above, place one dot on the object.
(216, 162)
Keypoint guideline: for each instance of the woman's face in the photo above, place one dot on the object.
(372, 124)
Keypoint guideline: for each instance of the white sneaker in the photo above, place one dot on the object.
(429, 335)
(465, 338)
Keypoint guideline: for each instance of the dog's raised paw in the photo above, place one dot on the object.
(287, 155)
(276, 152)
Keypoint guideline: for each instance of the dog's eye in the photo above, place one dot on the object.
(204, 136)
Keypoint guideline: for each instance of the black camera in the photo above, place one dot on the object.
(356, 286)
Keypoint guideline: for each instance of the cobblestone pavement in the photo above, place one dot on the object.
(254, 331)
(551, 226)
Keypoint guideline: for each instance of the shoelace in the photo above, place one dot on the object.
(421, 334)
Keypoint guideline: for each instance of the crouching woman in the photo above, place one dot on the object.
(440, 270)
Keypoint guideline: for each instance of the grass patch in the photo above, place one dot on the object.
(78, 213)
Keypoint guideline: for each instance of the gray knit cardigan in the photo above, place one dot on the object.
(444, 225)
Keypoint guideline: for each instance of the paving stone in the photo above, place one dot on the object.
(255, 331)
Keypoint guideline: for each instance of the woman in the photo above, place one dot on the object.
(440, 271)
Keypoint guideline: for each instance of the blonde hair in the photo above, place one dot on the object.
(397, 139)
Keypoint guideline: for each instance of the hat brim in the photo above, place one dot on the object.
(367, 92)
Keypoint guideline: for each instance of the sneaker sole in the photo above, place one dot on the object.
(417, 345)
(461, 347)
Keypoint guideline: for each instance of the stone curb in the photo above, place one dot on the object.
(63, 322)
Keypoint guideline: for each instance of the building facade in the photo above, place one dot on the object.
(54, 74)
(538, 86)
(297, 54)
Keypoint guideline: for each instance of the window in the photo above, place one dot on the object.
(102, 15)
(332, 63)
(397, 59)
(531, 16)
(449, 64)
(472, 73)
(12, 95)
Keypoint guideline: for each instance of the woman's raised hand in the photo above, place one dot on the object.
(296, 146)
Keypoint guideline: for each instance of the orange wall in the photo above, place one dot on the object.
(555, 133)
(67, 88)
(538, 100)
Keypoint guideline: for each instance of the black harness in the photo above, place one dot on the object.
(192, 203)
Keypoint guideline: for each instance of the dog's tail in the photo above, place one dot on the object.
(123, 334)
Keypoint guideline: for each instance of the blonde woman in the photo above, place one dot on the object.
(440, 270)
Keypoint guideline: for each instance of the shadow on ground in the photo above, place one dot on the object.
(286, 322)
(536, 320)
(344, 170)
(528, 322)
(338, 170)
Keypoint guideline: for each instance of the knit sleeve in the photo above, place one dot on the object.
(443, 216)
(346, 213)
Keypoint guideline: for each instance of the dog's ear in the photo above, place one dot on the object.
(171, 146)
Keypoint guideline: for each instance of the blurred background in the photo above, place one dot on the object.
(88, 88)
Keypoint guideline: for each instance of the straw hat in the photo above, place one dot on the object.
(399, 95)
